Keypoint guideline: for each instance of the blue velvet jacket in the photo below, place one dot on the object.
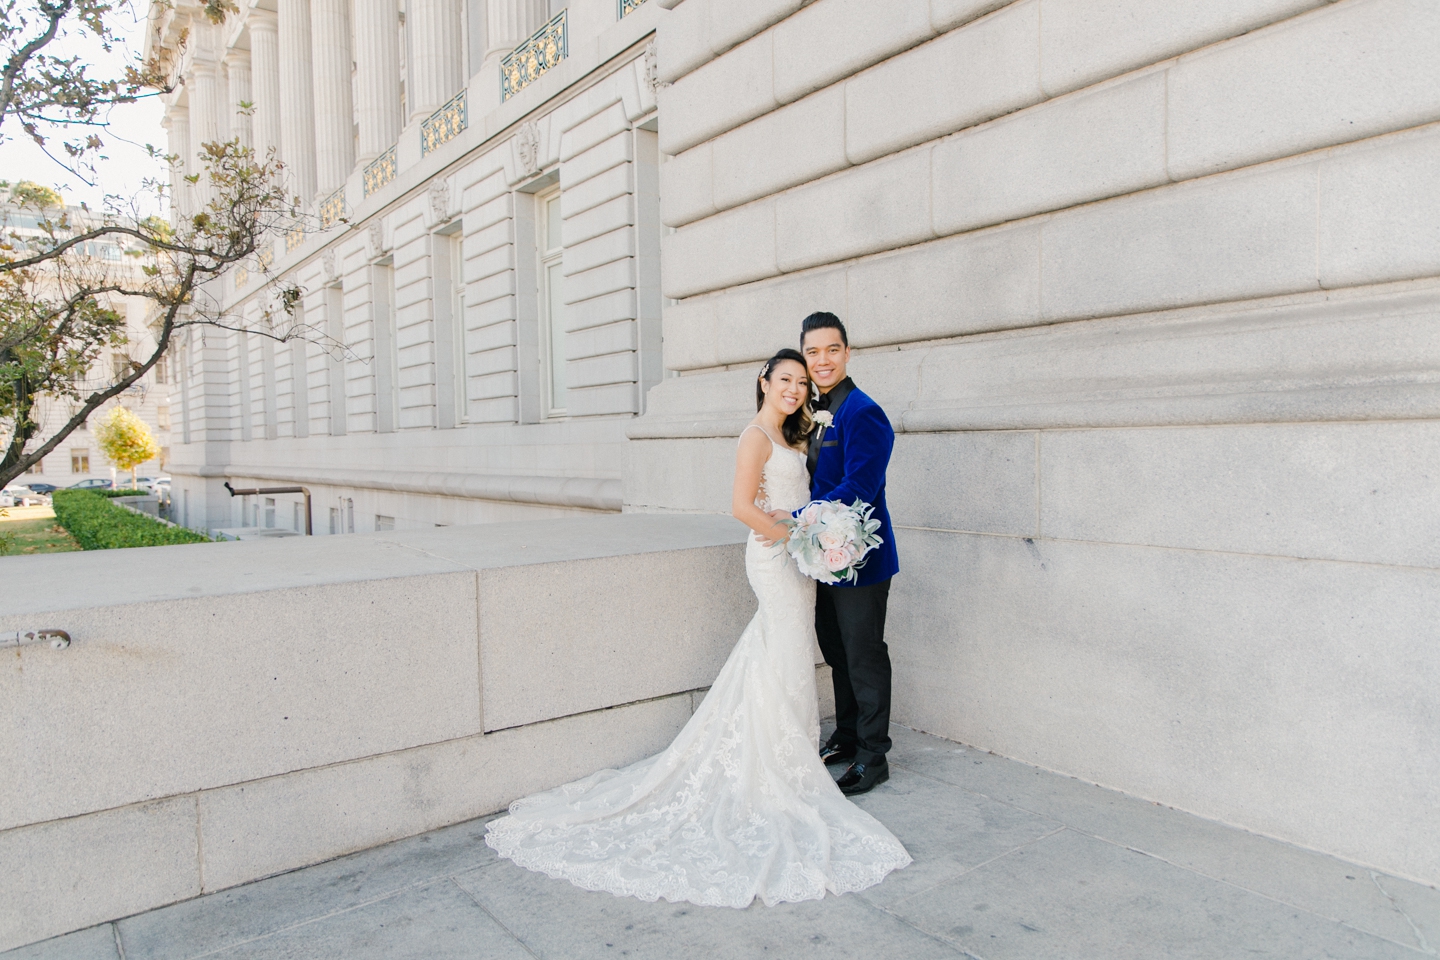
(854, 452)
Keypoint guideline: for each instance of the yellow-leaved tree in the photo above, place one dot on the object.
(126, 441)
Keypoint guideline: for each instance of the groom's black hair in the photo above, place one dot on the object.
(819, 321)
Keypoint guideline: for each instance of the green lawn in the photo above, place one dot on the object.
(34, 536)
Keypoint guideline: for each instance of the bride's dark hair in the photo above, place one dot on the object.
(798, 424)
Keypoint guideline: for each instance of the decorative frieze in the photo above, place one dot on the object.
(332, 209)
(380, 171)
(266, 257)
(628, 7)
(294, 238)
(444, 124)
(527, 146)
(242, 277)
(535, 57)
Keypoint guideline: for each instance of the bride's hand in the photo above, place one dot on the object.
(778, 516)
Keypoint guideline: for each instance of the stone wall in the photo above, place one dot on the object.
(1150, 292)
(230, 711)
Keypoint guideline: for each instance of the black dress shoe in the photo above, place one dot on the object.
(863, 777)
(833, 753)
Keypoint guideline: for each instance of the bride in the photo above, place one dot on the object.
(740, 805)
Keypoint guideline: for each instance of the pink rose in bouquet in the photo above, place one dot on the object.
(830, 540)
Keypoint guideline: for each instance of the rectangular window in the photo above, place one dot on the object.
(382, 299)
(162, 416)
(335, 357)
(299, 519)
(334, 519)
(269, 512)
(552, 302)
(79, 461)
(457, 313)
(299, 378)
(162, 370)
(37, 468)
(384, 523)
(448, 304)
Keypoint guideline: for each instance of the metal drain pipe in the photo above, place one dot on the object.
(256, 491)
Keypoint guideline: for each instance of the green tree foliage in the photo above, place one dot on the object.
(125, 440)
(60, 305)
(58, 302)
(28, 193)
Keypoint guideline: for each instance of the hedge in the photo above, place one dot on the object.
(98, 524)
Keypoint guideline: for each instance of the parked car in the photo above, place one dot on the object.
(17, 495)
(44, 489)
(96, 483)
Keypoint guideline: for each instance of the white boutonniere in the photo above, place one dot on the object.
(823, 419)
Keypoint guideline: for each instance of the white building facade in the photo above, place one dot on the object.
(489, 261)
(1149, 290)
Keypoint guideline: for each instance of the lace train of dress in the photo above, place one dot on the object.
(740, 805)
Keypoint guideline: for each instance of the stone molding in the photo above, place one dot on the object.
(1366, 353)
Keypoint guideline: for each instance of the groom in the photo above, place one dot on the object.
(847, 460)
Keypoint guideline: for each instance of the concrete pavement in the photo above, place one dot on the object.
(1011, 863)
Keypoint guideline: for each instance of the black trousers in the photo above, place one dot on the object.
(850, 625)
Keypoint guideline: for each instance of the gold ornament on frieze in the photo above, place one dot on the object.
(628, 7)
(535, 57)
(445, 124)
(332, 209)
(380, 171)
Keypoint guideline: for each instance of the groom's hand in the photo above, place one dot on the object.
(777, 516)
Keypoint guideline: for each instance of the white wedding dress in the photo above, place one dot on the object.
(740, 805)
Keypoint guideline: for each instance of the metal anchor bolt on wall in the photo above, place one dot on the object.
(58, 639)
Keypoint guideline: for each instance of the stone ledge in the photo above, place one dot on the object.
(322, 695)
(37, 584)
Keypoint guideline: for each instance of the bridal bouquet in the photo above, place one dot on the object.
(829, 540)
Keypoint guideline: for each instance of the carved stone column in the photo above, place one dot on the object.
(509, 22)
(334, 112)
(237, 68)
(177, 128)
(436, 54)
(204, 93)
(377, 75)
(297, 97)
(265, 82)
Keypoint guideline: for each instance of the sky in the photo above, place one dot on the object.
(131, 127)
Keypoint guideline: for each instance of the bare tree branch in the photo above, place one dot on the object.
(56, 318)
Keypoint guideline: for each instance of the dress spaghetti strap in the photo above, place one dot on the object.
(755, 426)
